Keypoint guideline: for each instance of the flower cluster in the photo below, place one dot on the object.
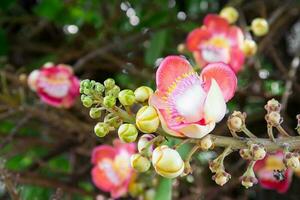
(187, 105)
(56, 85)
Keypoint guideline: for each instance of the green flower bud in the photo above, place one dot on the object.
(143, 93)
(139, 163)
(95, 113)
(87, 101)
(87, 91)
(114, 91)
(109, 83)
(127, 133)
(109, 101)
(101, 129)
(126, 97)
(99, 87)
(85, 83)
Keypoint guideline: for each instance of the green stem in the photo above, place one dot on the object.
(270, 133)
(282, 131)
(248, 132)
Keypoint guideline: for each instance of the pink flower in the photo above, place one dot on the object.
(189, 105)
(112, 171)
(56, 85)
(216, 41)
(267, 173)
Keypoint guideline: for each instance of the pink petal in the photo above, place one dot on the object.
(237, 59)
(196, 37)
(223, 75)
(101, 180)
(160, 105)
(33, 79)
(171, 68)
(235, 36)
(102, 151)
(199, 59)
(215, 23)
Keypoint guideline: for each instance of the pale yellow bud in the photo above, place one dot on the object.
(260, 26)
(147, 119)
(292, 161)
(139, 163)
(127, 133)
(167, 162)
(221, 177)
(258, 152)
(274, 118)
(249, 47)
(230, 14)
(143, 144)
(143, 93)
(181, 48)
(247, 184)
(206, 143)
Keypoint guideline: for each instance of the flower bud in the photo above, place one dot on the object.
(99, 87)
(230, 14)
(206, 143)
(274, 118)
(143, 93)
(249, 47)
(139, 163)
(114, 91)
(236, 121)
(147, 119)
(249, 181)
(167, 162)
(149, 194)
(101, 129)
(221, 177)
(143, 144)
(260, 26)
(258, 152)
(85, 83)
(32, 79)
(126, 97)
(109, 83)
(95, 113)
(109, 101)
(127, 133)
(87, 101)
(181, 48)
(292, 160)
(246, 154)
(272, 105)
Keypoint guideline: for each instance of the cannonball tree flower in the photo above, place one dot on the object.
(272, 173)
(217, 41)
(56, 85)
(112, 171)
(190, 105)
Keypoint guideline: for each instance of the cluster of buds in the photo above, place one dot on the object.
(216, 166)
(166, 161)
(273, 116)
(108, 98)
(254, 152)
(248, 179)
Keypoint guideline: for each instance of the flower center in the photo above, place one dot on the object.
(215, 50)
(57, 87)
(189, 103)
(106, 166)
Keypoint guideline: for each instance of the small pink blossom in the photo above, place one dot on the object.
(266, 170)
(56, 85)
(189, 105)
(217, 41)
(112, 171)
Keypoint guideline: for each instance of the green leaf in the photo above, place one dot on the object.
(29, 192)
(49, 9)
(6, 4)
(164, 189)
(156, 47)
